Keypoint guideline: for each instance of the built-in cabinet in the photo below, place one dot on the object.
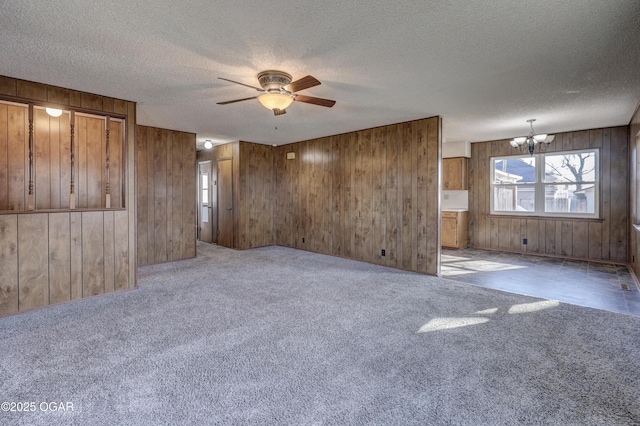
(454, 173)
(454, 229)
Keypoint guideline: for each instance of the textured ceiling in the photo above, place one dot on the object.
(485, 66)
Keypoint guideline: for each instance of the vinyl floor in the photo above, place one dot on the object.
(597, 285)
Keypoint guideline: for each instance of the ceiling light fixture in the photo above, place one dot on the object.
(208, 144)
(528, 143)
(275, 101)
(54, 112)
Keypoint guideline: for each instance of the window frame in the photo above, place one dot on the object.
(540, 185)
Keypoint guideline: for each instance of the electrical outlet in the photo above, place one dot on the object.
(383, 253)
(524, 241)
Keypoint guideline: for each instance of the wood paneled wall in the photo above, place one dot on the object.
(166, 197)
(14, 140)
(604, 239)
(51, 257)
(52, 159)
(634, 198)
(355, 194)
(256, 196)
(253, 192)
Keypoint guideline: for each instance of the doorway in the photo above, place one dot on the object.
(205, 212)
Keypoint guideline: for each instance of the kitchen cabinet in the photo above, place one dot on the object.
(454, 229)
(454, 173)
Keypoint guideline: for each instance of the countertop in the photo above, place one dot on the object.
(455, 210)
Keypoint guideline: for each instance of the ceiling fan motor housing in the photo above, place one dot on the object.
(273, 80)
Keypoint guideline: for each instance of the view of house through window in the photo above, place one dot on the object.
(551, 184)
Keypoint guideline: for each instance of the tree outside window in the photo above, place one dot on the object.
(547, 184)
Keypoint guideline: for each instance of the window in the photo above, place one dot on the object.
(547, 184)
(205, 188)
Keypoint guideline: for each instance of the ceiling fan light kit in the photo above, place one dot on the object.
(275, 101)
(528, 143)
(278, 92)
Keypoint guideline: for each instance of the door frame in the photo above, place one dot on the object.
(209, 201)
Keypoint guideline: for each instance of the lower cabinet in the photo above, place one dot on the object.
(454, 229)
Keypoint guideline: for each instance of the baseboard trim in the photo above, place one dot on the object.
(556, 256)
(66, 302)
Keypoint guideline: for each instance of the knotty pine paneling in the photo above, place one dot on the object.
(43, 259)
(375, 189)
(166, 197)
(602, 239)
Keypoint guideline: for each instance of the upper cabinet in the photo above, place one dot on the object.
(454, 173)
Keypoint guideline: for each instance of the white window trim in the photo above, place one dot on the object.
(539, 186)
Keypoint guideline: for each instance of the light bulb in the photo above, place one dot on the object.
(54, 112)
(275, 101)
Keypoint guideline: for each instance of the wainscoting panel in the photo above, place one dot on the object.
(48, 258)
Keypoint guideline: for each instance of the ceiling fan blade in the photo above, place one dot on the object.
(242, 84)
(303, 83)
(236, 100)
(316, 101)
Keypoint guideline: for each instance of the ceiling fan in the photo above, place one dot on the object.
(278, 92)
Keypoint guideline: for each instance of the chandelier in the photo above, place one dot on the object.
(529, 143)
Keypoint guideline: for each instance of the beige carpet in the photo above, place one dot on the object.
(277, 336)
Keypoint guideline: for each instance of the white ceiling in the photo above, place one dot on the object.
(485, 66)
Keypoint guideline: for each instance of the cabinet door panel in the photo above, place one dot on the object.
(454, 173)
(449, 232)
